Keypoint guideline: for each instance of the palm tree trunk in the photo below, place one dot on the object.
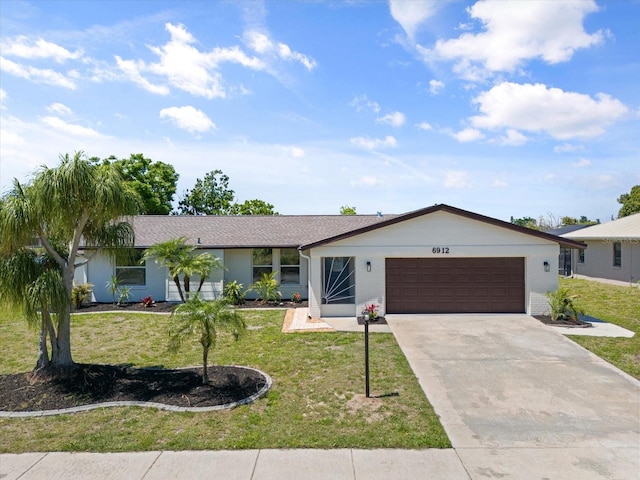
(176, 280)
(43, 353)
(205, 371)
(62, 359)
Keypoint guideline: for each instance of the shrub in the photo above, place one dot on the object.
(148, 301)
(233, 291)
(80, 293)
(295, 297)
(563, 306)
(267, 288)
(125, 294)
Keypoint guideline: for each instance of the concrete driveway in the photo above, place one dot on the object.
(519, 400)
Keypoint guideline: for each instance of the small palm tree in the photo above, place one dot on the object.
(178, 257)
(203, 319)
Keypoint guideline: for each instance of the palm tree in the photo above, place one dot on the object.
(75, 202)
(33, 282)
(178, 257)
(203, 319)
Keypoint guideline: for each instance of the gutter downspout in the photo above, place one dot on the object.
(308, 259)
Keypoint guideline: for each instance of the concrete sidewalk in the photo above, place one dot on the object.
(304, 464)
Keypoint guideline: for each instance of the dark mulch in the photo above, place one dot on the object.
(546, 319)
(88, 384)
(377, 321)
(167, 307)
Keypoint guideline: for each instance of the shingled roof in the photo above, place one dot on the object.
(290, 231)
(251, 231)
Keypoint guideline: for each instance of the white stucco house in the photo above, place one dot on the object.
(613, 250)
(439, 259)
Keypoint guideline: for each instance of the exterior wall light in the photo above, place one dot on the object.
(547, 267)
(368, 266)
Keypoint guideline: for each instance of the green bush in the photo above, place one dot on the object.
(234, 292)
(267, 288)
(80, 294)
(564, 306)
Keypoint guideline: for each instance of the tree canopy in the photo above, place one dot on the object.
(630, 202)
(252, 207)
(76, 201)
(155, 182)
(347, 210)
(209, 196)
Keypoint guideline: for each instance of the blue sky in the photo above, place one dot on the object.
(501, 108)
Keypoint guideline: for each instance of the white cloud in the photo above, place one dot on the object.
(188, 118)
(583, 162)
(185, 67)
(260, 43)
(468, 135)
(512, 138)
(435, 86)
(37, 75)
(23, 47)
(374, 143)
(456, 179)
(59, 108)
(296, 152)
(395, 119)
(424, 126)
(77, 130)
(499, 183)
(360, 102)
(3, 97)
(515, 32)
(366, 181)
(536, 108)
(567, 148)
(411, 14)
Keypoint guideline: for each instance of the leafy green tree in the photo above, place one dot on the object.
(73, 202)
(210, 196)
(630, 202)
(526, 222)
(203, 319)
(155, 182)
(252, 207)
(347, 210)
(179, 258)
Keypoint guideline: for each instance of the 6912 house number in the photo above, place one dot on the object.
(440, 250)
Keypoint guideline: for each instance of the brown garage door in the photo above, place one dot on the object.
(455, 285)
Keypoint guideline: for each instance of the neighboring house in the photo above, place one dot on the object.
(565, 267)
(613, 250)
(434, 260)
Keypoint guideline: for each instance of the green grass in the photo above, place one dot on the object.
(615, 304)
(317, 399)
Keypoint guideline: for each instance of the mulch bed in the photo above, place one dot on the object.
(546, 319)
(89, 384)
(167, 307)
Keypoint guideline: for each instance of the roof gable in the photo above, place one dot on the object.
(452, 210)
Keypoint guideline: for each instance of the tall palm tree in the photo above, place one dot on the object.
(203, 319)
(179, 258)
(72, 203)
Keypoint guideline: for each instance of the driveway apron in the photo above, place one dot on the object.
(519, 400)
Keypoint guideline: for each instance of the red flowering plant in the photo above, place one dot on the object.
(371, 310)
(148, 301)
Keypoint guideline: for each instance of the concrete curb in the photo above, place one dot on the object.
(159, 406)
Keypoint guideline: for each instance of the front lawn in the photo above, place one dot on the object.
(317, 399)
(615, 304)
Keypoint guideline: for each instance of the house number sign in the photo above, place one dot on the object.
(440, 250)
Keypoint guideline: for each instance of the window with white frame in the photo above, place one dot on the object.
(128, 269)
(338, 280)
(617, 254)
(289, 266)
(262, 262)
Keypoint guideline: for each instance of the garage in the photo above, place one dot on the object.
(455, 285)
